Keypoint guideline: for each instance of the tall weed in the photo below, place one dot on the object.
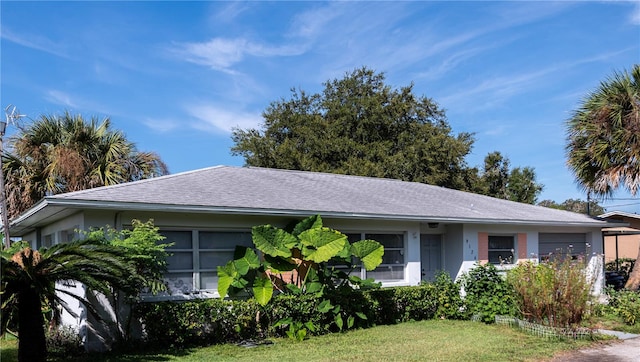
(555, 293)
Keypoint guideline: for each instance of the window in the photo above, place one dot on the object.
(392, 267)
(501, 249)
(45, 241)
(556, 246)
(68, 235)
(196, 256)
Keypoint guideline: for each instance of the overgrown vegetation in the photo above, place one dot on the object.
(203, 322)
(304, 259)
(488, 293)
(555, 293)
(450, 303)
(64, 342)
(30, 281)
(143, 247)
(625, 304)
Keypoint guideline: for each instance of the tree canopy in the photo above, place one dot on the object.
(603, 136)
(575, 205)
(499, 180)
(359, 125)
(56, 154)
(603, 141)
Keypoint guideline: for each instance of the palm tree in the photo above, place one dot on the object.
(57, 154)
(603, 141)
(603, 145)
(29, 280)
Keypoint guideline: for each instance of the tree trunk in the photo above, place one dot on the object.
(634, 278)
(32, 344)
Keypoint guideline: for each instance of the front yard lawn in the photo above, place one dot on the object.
(434, 340)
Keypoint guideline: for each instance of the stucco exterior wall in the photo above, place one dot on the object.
(460, 246)
(627, 247)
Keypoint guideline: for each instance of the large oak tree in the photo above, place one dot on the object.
(359, 125)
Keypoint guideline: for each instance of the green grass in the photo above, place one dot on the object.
(611, 322)
(434, 340)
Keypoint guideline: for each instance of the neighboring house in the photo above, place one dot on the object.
(423, 228)
(621, 242)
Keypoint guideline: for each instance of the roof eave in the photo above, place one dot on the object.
(132, 206)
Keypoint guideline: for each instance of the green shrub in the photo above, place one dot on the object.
(487, 293)
(626, 304)
(402, 304)
(199, 322)
(210, 321)
(450, 303)
(298, 308)
(554, 293)
(64, 342)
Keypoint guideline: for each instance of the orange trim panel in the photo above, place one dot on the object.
(483, 247)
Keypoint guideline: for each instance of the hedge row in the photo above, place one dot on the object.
(212, 321)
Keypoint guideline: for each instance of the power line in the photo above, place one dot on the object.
(609, 206)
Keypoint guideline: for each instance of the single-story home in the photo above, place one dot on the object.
(621, 242)
(423, 228)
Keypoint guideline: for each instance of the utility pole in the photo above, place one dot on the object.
(10, 117)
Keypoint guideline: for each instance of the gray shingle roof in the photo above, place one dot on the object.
(262, 190)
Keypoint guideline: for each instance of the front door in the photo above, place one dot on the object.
(430, 255)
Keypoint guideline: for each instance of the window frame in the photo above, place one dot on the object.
(512, 250)
(367, 235)
(197, 271)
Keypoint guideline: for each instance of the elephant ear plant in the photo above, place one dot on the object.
(299, 260)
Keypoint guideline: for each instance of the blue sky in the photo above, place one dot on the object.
(177, 77)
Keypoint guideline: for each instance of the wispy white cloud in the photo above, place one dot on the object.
(77, 103)
(221, 54)
(61, 98)
(313, 23)
(493, 91)
(218, 119)
(449, 63)
(525, 12)
(497, 90)
(37, 42)
(230, 11)
(161, 125)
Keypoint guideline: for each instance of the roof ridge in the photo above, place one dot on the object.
(325, 173)
(474, 194)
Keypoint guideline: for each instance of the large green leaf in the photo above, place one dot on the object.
(321, 244)
(226, 275)
(279, 264)
(273, 241)
(245, 259)
(369, 251)
(262, 290)
(324, 306)
(344, 256)
(312, 222)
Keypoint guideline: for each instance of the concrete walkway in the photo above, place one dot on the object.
(625, 349)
